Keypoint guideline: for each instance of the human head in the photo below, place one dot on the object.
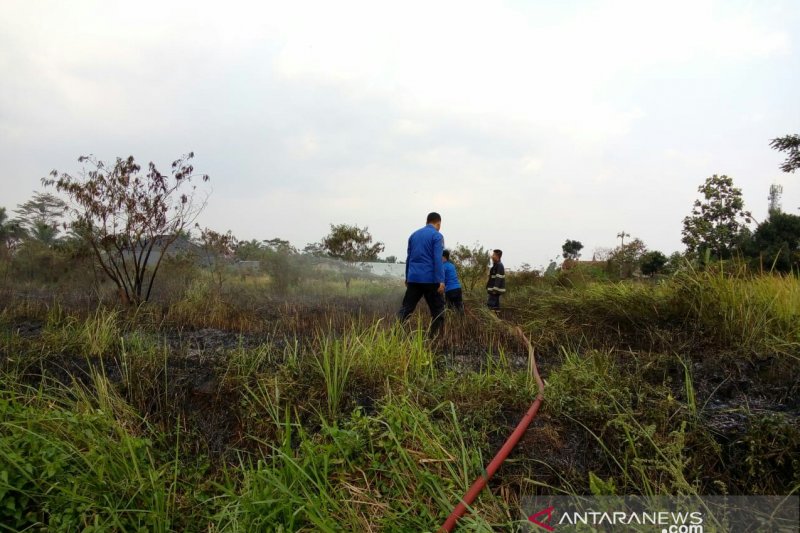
(496, 255)
(446, 255)
(435, 220)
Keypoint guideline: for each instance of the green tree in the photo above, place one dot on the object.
(571, 249)
(675, 262)
(716, 222)
(11, 232)
(790, 144)
(471, 263)
(277, 244)
(251, 250)
(130, 218)
(627, 258)
(776, 243)
(42, 216)
(653, 262)
(283, 264)
(314, 249)
(352, 245)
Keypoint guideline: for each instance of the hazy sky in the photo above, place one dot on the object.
(522, 123)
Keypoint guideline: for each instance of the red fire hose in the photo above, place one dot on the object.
(512, 440)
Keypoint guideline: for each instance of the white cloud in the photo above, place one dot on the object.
(527, 123)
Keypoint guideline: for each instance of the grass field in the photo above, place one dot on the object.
(236, 409)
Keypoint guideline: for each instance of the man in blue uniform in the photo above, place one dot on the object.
(425, 273)
(452, 287)
(497, 281)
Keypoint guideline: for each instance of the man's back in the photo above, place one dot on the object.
(450, 277)
(425, 273)
(424, 260)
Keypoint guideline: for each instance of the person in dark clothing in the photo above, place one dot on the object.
(425, 273)
(497, 281)
(452, 287)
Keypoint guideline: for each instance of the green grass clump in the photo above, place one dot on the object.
(95, 335)
(398, 470)
(67, 466)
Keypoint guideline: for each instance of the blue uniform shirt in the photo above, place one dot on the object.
(450, 277)
(424, 260)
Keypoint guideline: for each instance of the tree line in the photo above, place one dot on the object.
(124, 218)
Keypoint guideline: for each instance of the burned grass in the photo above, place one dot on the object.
(320, 414)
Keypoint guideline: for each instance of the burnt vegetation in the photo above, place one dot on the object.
(250, 388)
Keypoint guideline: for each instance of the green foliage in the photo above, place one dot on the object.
(351, 244)
(776, 243)
(790, 144)
(675, 263)
(571, 249)
(717, 221)
(324, 417)
(41, 217)
(758, 314)
(471, 264)
(96, 335)
(11, 232)
(284, 267)
(249, 250)
(626, 259)
(768, 451)
(65, 469)
(334, 364)
(399, 470)
(279, 259)
(653, 262)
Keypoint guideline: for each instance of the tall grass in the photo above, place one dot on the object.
(71, 465)
(374, 353)
(96, 335)
(761, 313)
(334, 363)
(328, 418)
(398, 470)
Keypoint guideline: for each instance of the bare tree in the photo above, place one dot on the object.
(130, 218)
(218, 250)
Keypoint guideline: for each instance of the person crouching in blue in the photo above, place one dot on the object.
(452, 287)
(425, 273)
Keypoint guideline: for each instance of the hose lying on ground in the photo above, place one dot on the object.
(512, 440)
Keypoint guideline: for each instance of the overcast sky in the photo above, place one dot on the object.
(522, 123)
